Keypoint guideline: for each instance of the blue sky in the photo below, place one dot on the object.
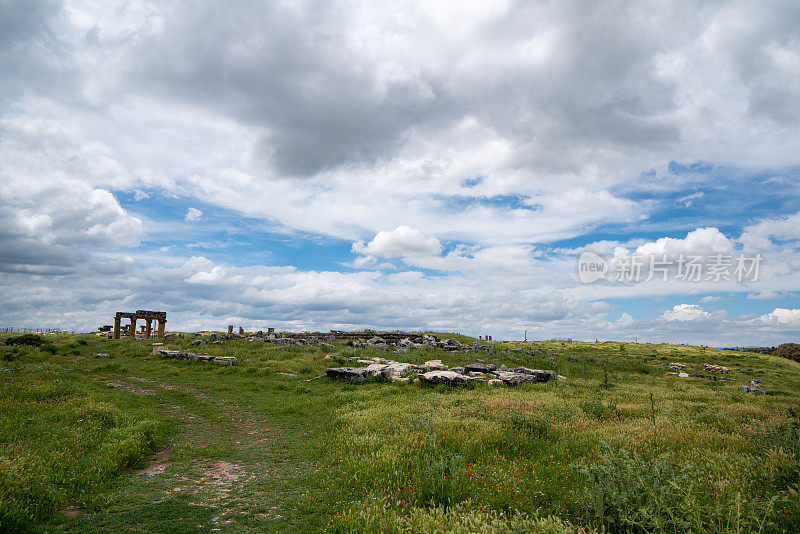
(430, 166)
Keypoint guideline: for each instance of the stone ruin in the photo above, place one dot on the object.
(147, 330)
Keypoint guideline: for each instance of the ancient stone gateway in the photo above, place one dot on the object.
(147, 316)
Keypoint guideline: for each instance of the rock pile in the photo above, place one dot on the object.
(677, 366)
(223, 360)
(435, 372)
(713, 368)
(754, 386)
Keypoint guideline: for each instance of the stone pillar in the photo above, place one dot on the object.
(161, 325)
(490, 338)
(132, 331)
(156, 348)
(148, 330)
(116, 327)
(230, 329)
(241, 331)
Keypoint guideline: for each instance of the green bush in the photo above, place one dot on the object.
(625, 492)
(26, 339)
(790, 351)
(440, 479)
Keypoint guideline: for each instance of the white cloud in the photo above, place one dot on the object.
(759, 236)
(782, 316)
(687, 200)
(138, 195)
(685, 312)
(767, 294)
(402, 241)
(710, 298)
(703, 242)
(193, 215)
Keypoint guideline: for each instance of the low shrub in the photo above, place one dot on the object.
(625, 492)
(25, 339)
(790, 351)
(439, 478)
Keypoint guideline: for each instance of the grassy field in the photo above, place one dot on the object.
(135, 443)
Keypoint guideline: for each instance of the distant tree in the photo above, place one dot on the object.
(790, 351)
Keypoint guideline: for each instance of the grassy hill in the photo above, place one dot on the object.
(131, 442)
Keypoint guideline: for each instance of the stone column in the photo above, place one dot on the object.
(132, 331)
(148, 328)
(116, 327)
(161, 325)
(156, 348)
(241, 331)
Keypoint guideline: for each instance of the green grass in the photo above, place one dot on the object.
(251, 449)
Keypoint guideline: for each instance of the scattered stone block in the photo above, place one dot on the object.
(541, 375)
(480, 367)
(677, 366)
(353, 374)
(449, 378)
(399, 370)
(713, 368)
(434, 365)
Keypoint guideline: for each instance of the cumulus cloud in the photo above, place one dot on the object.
(702, 242)
(402, 241)
(782, 316)
(685, 312)
(193, 215)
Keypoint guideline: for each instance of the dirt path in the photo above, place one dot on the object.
(227, 468)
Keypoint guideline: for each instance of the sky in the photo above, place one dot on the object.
(438, 166)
